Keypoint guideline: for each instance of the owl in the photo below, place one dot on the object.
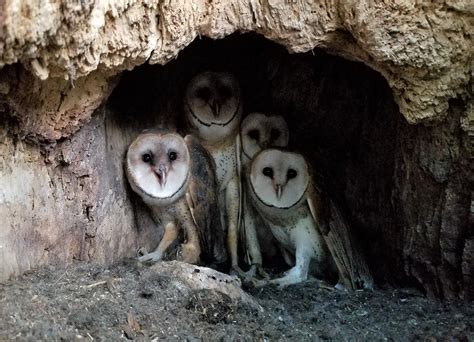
(213, 109)
(175, 177)
(259, 131)
(284, 193)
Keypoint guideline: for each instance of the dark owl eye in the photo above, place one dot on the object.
(172, 155)
(254, 134)
(268, 172)
(225, 92)
(146, 157)
(291, 174)
(204, 93)
(274, 134)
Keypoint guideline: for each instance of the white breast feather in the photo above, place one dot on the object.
(304, 235)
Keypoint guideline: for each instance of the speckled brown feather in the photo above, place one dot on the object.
(202, 193)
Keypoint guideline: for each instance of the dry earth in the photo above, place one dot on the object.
(130, 301)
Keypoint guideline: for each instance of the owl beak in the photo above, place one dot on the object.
(162, 173)
(215, 107)
(279, 191)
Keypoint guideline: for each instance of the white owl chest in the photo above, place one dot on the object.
(299, 231)
(225, 158)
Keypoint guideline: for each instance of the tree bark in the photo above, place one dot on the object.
(396, 157)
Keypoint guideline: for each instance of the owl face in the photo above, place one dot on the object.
(279, 178)
(158, 164)
(212, 103)
(260, 131)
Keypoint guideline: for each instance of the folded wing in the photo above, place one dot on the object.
(203, 201)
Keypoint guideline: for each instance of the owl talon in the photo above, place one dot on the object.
(251, 275)
(237, 271)
(339, 287)
(258, 283)
(150, 258)
(141, 251)
(262, 273)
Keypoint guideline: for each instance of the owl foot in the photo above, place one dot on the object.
(255, 272)
(189, 253)
(150, 258)
(141, 251)
(282, 283)
(261, 272)
(340, 286)
(322, 284)
(292, 276)
(236, 270)
(258, 283)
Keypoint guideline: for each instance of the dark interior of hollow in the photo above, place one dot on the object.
(341, 115)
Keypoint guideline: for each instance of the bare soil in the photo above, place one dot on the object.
(128, 301)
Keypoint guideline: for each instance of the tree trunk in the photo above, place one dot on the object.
(392, 146)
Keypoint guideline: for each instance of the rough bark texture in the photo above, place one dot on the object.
(423, 50)
(406, 188)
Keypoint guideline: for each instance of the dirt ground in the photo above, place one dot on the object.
(128, 301)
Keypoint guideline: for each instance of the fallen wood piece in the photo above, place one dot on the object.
(199, 278)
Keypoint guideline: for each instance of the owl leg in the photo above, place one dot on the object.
(299, 272)
(232, 203)
(286, 256)
(169, 236)
(191, 250)
(253, 247)
(251, 238)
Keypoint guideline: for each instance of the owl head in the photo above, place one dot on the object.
(260, 131)
(157, 165)
(279, 178)
(213, 104)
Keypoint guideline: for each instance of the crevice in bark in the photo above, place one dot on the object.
(389, 176)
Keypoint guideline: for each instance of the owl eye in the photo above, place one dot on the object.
(146, 157)
(291, 174)
(274, 134)
(268, 172)
(172, 156)
(204, 93)
(225, 92)
(254, 134)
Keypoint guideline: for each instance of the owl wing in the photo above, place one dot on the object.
(203, 202)
(353, 270)
(241, 227)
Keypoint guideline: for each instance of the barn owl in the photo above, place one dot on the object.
(213, 108)
(283, 192)
(175, 178)
(259, 131)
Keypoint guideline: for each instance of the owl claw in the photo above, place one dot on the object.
(251, 275)
(258, 283)
(236, 270)
(262, 273)
(141, 251)
(150, 258)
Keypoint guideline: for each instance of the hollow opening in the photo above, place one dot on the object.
(341, 116)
